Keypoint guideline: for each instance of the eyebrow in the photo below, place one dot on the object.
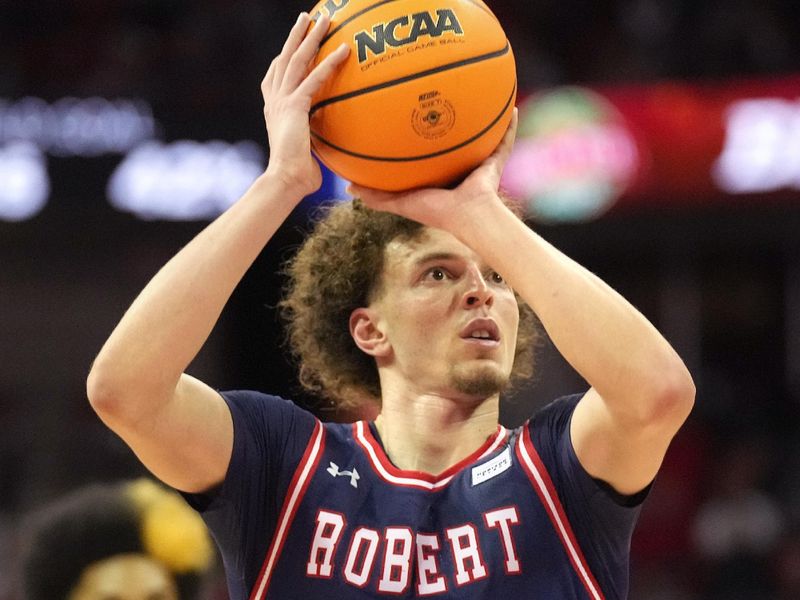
(434, 256)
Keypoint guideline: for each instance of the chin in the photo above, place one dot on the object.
(479, 381)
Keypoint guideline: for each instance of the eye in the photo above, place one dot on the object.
(495, 277)
(437, 274)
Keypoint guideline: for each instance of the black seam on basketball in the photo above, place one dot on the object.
(330, 34)
(422, 156)
(413, 76)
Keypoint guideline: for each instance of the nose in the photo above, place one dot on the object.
(478, 293)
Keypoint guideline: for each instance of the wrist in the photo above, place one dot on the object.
(488, 226)
(474, 215)
(292, 181)
(268, 197)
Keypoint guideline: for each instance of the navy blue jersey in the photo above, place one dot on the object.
(312, 510)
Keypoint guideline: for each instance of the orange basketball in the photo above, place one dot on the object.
(425, 95)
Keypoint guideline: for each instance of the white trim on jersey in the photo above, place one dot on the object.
(294, 495)
(537, 473)
(391, 474)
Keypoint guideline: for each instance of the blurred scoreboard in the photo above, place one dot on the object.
(121, 143)
(580, 153)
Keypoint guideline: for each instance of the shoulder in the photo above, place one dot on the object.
(251, 399)
(267, 417)
(549, 435)
(254, 402)
(270, 433)
(555, 416)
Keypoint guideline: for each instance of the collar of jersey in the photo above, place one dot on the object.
(386, 470)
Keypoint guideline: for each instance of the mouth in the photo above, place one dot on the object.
(481, 331)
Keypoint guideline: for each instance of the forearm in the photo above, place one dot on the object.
(606, 340)
(172, 317)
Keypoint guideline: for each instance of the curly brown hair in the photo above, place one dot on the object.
(338, 269)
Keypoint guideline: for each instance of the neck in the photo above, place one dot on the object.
(430, 433)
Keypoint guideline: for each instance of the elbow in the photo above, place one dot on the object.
(104, 394)
(673, 398)
(121, 399)
(98, 391)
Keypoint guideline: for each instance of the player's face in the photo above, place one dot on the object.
(451, 321)
(125, 577)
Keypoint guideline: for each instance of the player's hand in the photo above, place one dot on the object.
(288, 89)
(444, 208)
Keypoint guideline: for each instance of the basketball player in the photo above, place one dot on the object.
(418, 302)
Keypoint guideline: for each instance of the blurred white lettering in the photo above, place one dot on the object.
(24, 182)
(762, 147)
(78, 126)
(184, 180)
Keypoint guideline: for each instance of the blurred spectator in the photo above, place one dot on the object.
(126, 541)
(789, 478)
(738, 528)
(673, 500)
(786, 566)
(662, 568)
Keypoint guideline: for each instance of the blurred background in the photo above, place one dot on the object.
(659, 145)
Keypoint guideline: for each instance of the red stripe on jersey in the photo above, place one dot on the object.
(418, 479)
(294, 495)
(540, 479)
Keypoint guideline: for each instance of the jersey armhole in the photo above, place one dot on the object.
(622, 500)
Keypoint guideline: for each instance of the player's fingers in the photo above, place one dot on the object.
(507, 143)
(290, 46)
(268, 81)
(511, 132)
(297, 69)
(500, 155)
(323, 71)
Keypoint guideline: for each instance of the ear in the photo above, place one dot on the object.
(366, 333)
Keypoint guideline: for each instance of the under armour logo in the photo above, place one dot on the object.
(353, 475)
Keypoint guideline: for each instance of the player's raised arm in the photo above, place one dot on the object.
(179, 427)
(641, 392)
